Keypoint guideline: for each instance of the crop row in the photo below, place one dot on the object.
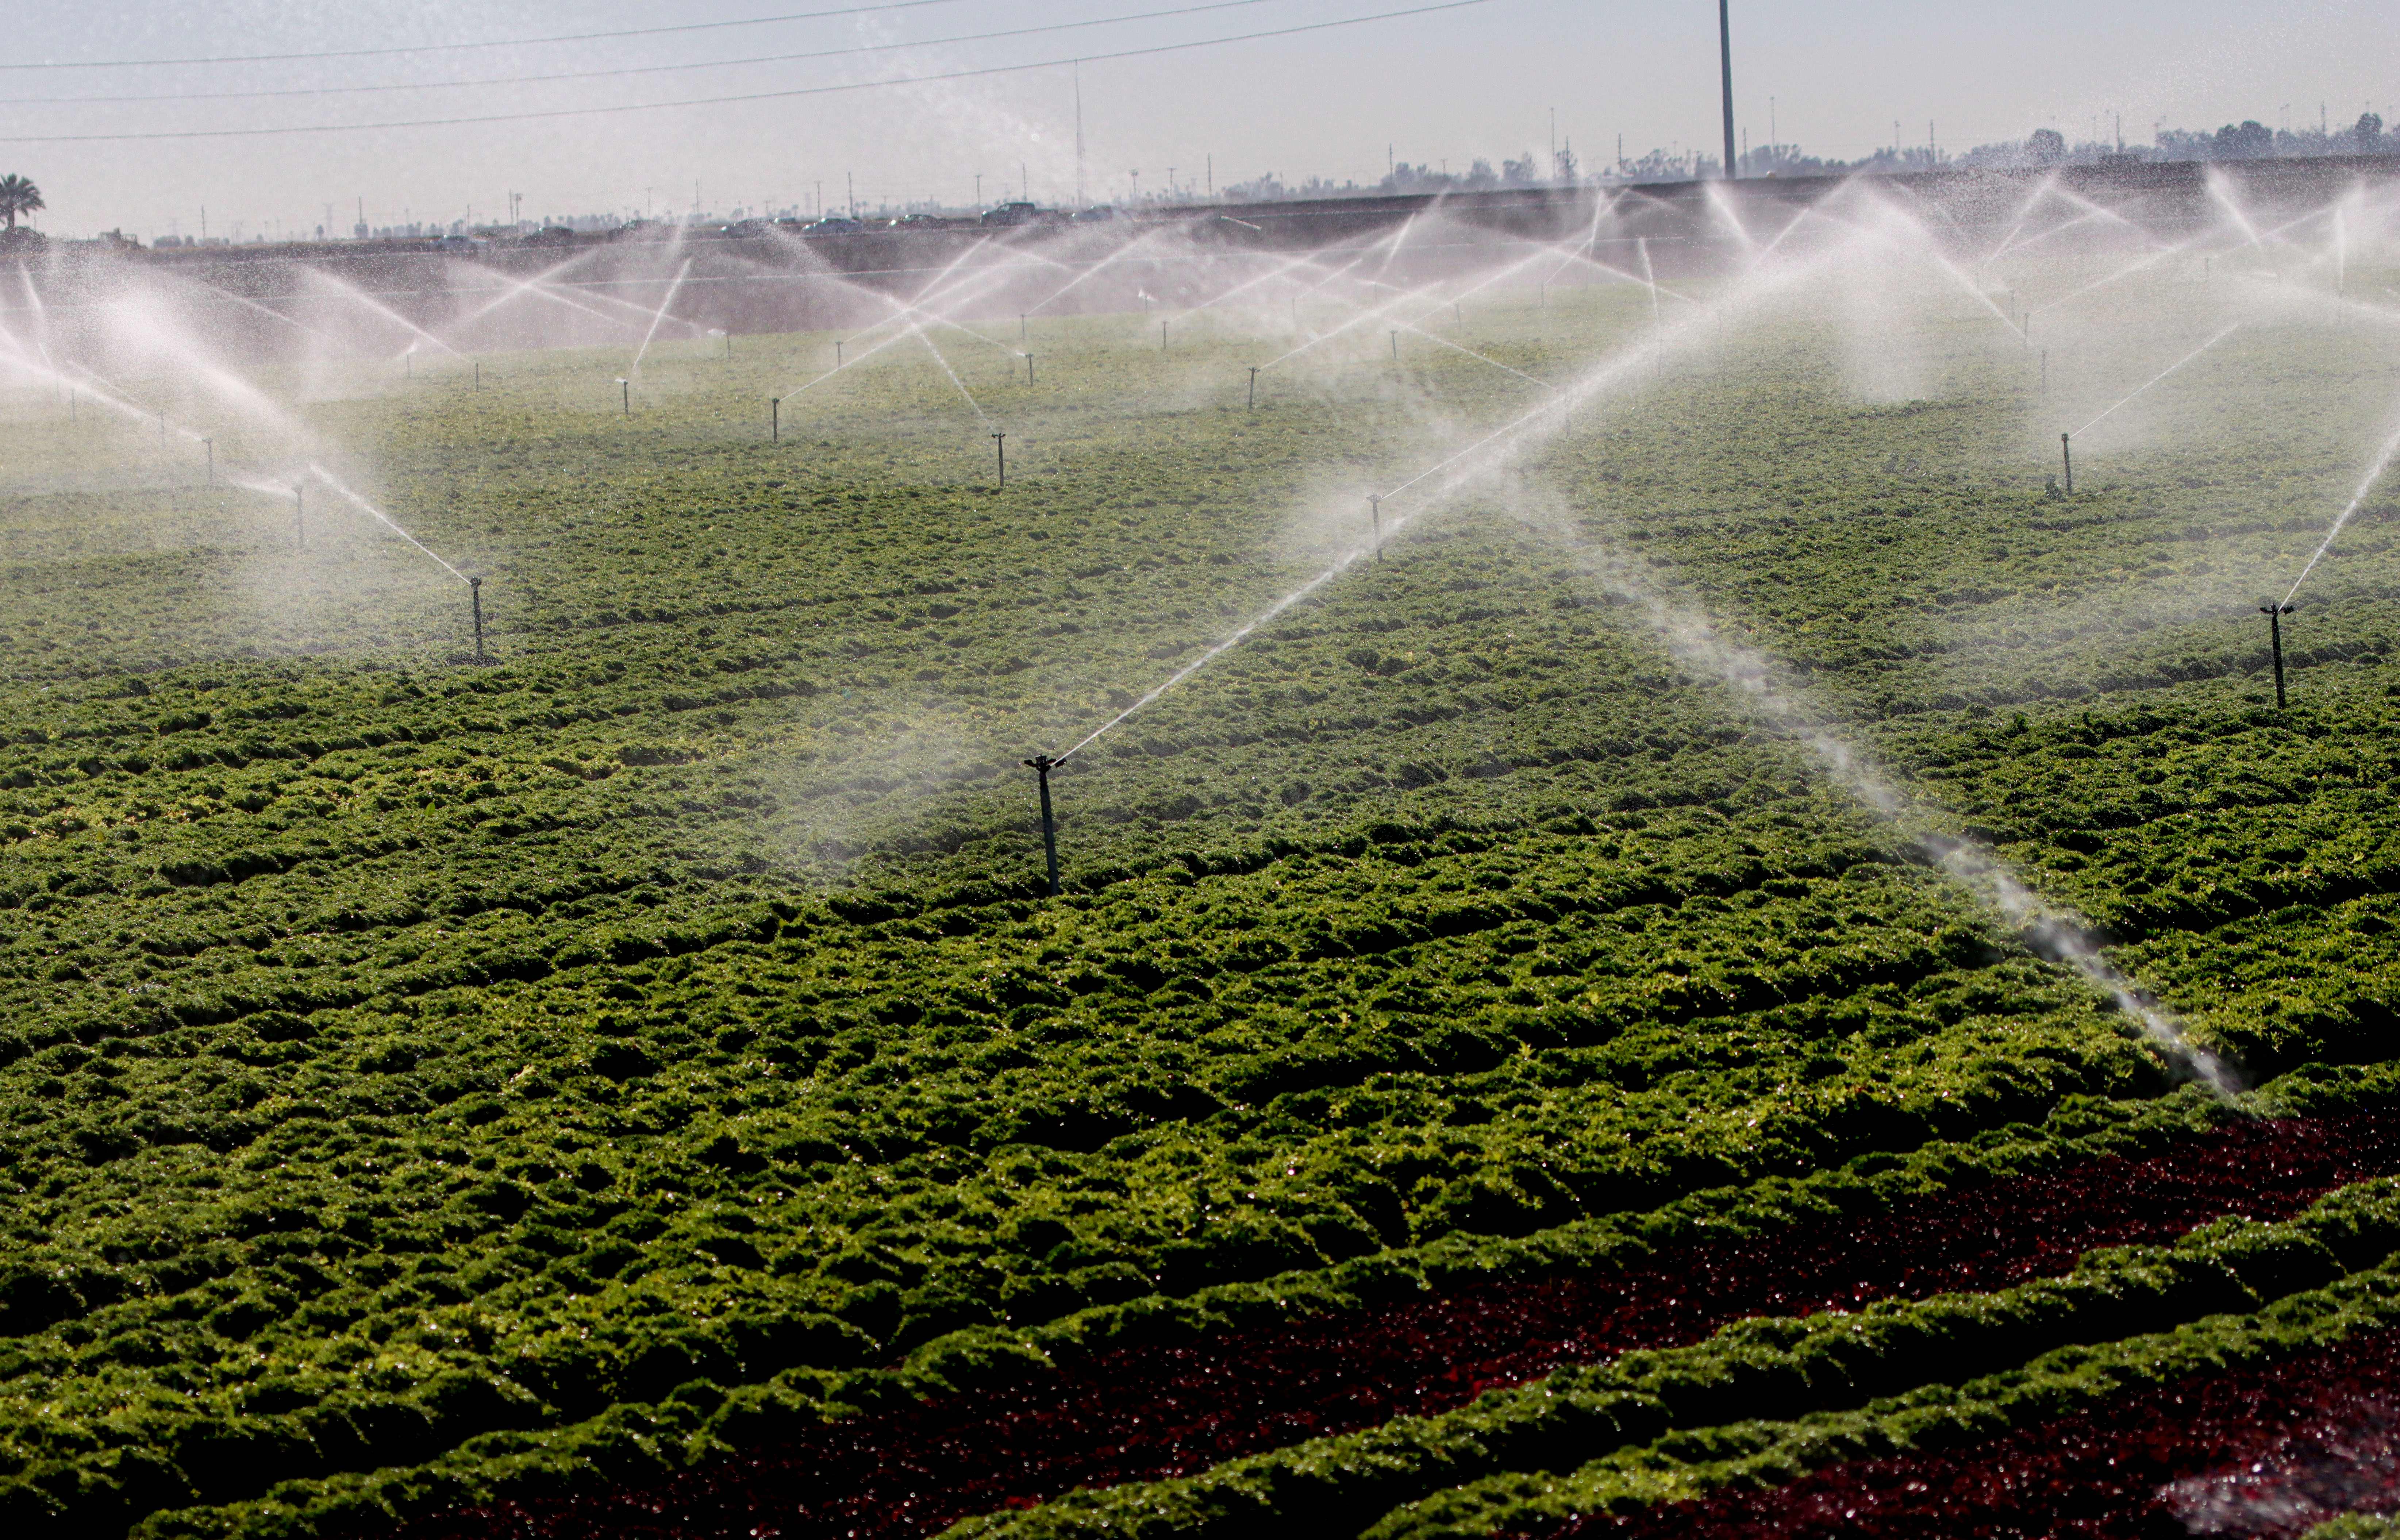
(702, 1423)
(2269, 1451)
(2144, 1416)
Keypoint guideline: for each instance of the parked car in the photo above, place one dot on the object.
(1011, 213)
(833, 225)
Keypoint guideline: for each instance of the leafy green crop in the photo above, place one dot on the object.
(405, 1062)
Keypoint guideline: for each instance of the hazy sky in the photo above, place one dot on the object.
(1453, 85)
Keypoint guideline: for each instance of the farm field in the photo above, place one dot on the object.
(455, 1096)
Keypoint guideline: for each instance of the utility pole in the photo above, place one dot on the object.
(1725, 52)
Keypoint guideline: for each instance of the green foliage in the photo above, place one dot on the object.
(422, 1080)
(1756, 1370)
(1775, 1449)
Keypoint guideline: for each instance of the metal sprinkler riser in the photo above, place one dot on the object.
(2066, 457)
(475, 597)
(1042, 765)
(2275, 614)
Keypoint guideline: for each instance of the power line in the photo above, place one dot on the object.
(636, 69)
(726, 100)
(454, 47)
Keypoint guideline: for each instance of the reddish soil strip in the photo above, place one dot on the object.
(1145, 1412)
(2267, 1453)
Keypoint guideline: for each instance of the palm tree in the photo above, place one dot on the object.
(18, 195)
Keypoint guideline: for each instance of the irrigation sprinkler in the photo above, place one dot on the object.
(2275, 614)
(211, 445)
(999, 457)
(837, 353)
(299, 517)
(73, 396)
(774, 419)
(2045, 374)
(728, 345)
(1021, 334)
(625, 393)
(1042, 765)
(1396, 347)
(408, 364)
(1376, 516)
(2066, 457)
(1162, 336)
(162, 430)
(479, 375)
(1029, 368)
(475, 597)
(1254, 388)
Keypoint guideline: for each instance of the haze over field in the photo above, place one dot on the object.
(1342, 103)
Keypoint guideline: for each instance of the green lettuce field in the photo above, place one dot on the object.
(428, 1085)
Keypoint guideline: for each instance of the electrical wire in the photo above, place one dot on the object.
(727, 101)
(454, 48)
(634, 69)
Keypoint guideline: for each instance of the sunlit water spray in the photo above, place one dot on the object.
(342, 491)
(634, 370)
(2049, 930)
(2375, 470)
(2144, 387)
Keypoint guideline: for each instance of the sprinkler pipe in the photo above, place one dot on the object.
(774, 419)
(479, 375)
(1029, 369)
(1254, 388)
(211, 445)
(1375, 515)
(475, 597)
(2066, 457)
(1162, 336)
(837, 353)
(2275, 614)
(999, 457)
(1042, 765)
(299, 517)
(625, 392)
(1022, 333)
